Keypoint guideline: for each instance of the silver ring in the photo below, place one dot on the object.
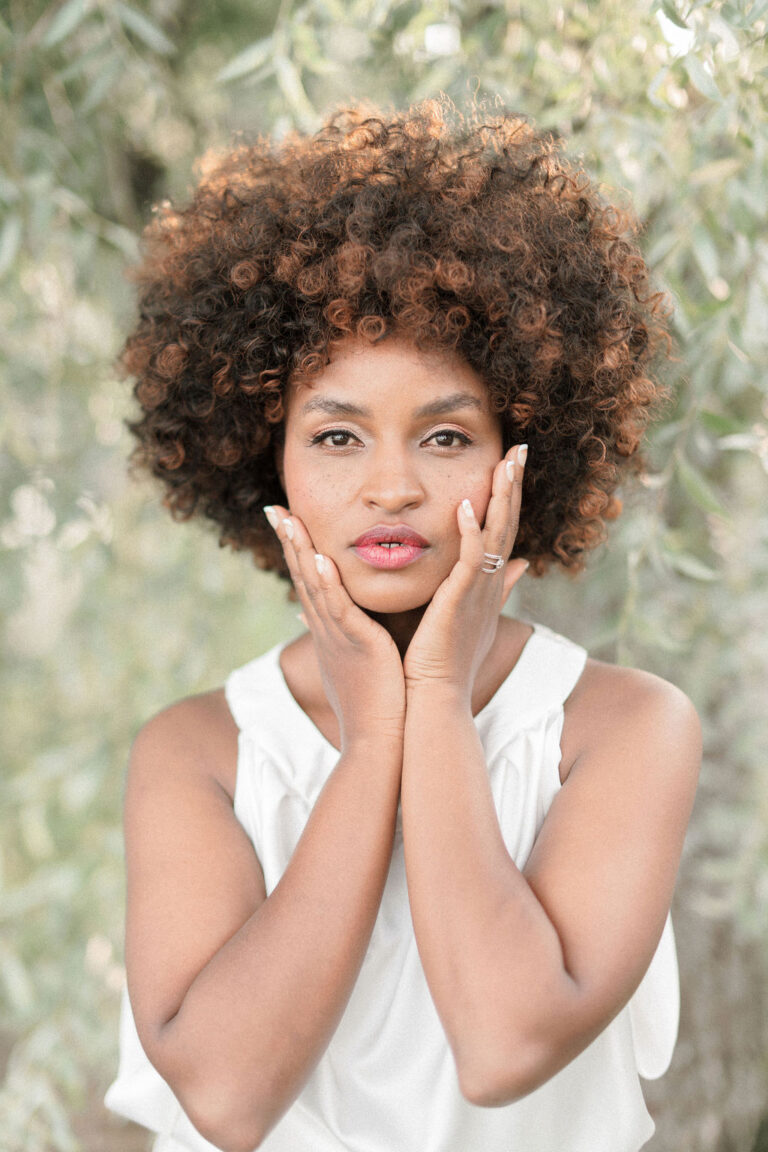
(492, 563)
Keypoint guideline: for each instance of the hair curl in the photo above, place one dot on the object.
(473, 233)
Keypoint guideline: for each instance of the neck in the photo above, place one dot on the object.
(400, 625)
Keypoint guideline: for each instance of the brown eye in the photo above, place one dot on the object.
(451, 433)
(335, 432)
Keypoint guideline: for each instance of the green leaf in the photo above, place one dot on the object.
(702, 80)
(705, 252)
(16, 981)
(655, 634)
(65, 21)
(698, 488)
(691, 566)
(105, 80)
(716, 172)
(672, 15)
(292, 88)
(718, 423)
(10, 242)
(246, 61)
(144, 29)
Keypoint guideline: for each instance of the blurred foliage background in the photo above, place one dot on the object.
(109, 612)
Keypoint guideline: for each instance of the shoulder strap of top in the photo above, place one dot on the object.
(254, 687)
(540, 682)
(552, 666)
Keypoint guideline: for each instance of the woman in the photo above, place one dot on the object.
(403, 882)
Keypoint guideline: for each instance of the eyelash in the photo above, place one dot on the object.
(320, 438)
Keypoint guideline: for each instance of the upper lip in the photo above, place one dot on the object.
(384, 533)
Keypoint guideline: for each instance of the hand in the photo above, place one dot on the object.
(360, 665)
(459, 626)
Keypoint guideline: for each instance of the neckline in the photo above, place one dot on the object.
(311, 727)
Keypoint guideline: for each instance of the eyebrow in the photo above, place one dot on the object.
(439, 407)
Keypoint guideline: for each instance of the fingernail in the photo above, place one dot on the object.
(302, 617)
(320, 563)
(287, 524)
(527, 566)
(510, 466)
(467, 509)
(522, 452)
(271, 515)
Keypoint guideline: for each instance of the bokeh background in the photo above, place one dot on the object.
(110, 611)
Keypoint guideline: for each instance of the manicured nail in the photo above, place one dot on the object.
(522, 452)
(287, 524)
(510, 466)
(467, 509)
(320, 563)
(271, 515)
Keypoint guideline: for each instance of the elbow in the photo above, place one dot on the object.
(484, 1090)
(225, 1114)
(490, 1082)
(226, 1127)
(223, 1110)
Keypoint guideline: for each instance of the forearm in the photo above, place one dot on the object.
(257, 1018)
(491, 956)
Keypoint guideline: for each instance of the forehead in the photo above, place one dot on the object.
(363, 377)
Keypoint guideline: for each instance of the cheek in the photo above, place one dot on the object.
(475, 486)
(313, 494)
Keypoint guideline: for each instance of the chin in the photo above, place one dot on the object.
(396, 591)
(390, 605)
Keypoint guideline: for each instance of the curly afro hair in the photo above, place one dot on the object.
(473, 233)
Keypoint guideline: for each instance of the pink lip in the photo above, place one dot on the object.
(408, 546)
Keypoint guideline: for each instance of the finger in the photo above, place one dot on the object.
(471, 553)
(334, 602)
(503, 517)
(286, 528)
(316, 578)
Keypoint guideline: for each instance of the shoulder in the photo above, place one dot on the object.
(614, 707)
(194, 736)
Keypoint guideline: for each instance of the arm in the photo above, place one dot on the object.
(527, 967)
(236, 995)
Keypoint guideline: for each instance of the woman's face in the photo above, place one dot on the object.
(389, 436)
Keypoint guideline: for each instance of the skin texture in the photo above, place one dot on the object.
(236, 995)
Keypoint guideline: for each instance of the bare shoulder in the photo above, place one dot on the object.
(613, 706)
(196, 735)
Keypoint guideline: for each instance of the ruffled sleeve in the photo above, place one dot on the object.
(654, 1009)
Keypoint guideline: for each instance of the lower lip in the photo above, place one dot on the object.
(379, 557)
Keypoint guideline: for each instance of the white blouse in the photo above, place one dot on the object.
(387, 1081)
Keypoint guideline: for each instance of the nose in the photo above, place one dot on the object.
(392, 481)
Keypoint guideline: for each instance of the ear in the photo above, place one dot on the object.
(279, 452)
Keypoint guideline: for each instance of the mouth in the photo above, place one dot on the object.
(390, 546)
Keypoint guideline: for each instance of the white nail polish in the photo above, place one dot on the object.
(522, 452)
(510, 466)
(467, 509)
(288, 529)
(271, 515)
(320, 563)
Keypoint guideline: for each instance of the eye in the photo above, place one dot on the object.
(321, 437)
(451, 433)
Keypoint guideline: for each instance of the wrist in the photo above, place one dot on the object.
(380, 745)
(438, 694)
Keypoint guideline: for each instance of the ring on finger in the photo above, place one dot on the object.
(492, 562)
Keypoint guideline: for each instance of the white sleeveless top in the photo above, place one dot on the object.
(387, 1080)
